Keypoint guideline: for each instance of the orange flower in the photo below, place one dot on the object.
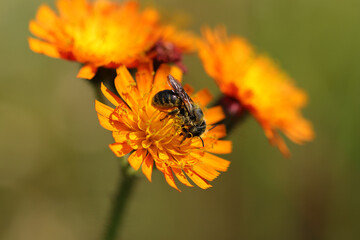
(258, 84)
(151, 138)
(98, 34)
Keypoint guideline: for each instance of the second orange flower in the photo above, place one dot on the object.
(255, 81)
(103, 34)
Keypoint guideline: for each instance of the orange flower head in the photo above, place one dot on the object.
(100, 34)
(258, 84)
(150, 137)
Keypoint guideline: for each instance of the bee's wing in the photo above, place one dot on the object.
(179, 90)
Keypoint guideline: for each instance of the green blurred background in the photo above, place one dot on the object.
(57, 175)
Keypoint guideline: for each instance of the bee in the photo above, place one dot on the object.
(183, 107)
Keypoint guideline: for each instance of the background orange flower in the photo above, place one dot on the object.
(102, 34)
(258, 84)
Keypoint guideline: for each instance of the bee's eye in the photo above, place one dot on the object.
(198, 113)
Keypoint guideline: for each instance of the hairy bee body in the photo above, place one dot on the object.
(180, 105)
(166, 99)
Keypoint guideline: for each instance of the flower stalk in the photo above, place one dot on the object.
(127, 178)
(124, 190)
(103, 75)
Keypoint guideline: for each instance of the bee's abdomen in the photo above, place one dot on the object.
(166, 99)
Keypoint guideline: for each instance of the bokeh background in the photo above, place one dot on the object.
(57, 175)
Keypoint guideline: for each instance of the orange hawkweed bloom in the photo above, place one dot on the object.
(258, 84)
(151, 138)
(98, 34)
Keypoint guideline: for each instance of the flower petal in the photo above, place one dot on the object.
(43, 48)
(37, 30)
(124, 81)
(220, 146)
(203, 97)
(137, 158)
(88, 71)
(202, 183)
(181, 177)
(46, 16)
(103, 109)
(105, 123)
(276, 139)
(120, 149)
(147, 166)
(214, 115)
(126, 87)
(176, 73)
(188, 89)
(169, 177)
(121, 135)
(144, 78)
(300, 131)
(162, 74)
(115, 100)
(212, 161)
(68, 9)
(206, 171)
(219, 131)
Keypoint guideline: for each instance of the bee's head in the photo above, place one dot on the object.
(196, 130)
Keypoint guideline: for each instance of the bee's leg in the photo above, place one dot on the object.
(214, 126)
(202, 141)
(186, 135)
(171, 113)
(182, 140)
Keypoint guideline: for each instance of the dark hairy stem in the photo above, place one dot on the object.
(124, 190)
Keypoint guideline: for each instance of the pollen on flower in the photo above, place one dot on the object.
(153, 138)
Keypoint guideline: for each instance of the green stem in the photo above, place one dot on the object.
(122, 196)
